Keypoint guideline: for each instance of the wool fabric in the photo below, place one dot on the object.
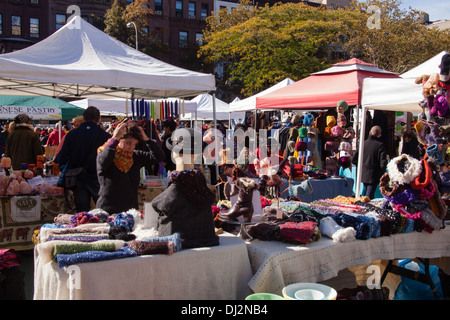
(65, 260)
(298, 233)
(69, 248)
(148, 248)
(331, 229)
(174, 238)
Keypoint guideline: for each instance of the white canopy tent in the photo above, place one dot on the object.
(249, 104)
(121, 107)
(205, 109)
(393, 95)
(79, 60)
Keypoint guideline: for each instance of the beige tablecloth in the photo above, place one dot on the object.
(276, 264)
(217, 273)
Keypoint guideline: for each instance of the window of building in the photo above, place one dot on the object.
(61, 20)
(158, 34)
(16, 25)
(34, 1)
(204, 11)
(179, 9)
(191, 10)
(183, 39)
(1, 23)
(199, 38)
(34, 28)
(145, 29)
(159, 7)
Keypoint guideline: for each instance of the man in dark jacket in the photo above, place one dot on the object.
(80, 150)
(374, 161)
(23, 145)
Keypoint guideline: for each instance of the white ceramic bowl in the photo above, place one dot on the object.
(309, 294)
(290, 290)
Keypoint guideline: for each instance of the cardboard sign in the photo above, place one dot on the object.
(25, 208)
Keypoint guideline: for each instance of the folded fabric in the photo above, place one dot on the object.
(147, 247)
(299, 233)
(80, 238)
(265, 231)
(9, 258)
(69, 248)
(65, 260)
(431, 220)
(404, 169)
(175, 238)
(331, 229)
(365, 227)
(424, 178)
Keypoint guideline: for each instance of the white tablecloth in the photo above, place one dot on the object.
(276, 264)
(220, 272)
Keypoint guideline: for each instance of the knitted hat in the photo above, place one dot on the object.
(336, 131)
(300, 146)
(404, 169)
(331, 121)
(342, 104)
(296, 120)
(345, 146)
(22, 118)
(441, 105)
(291, 146)
(433, 151)
(308, 119)
(424, 178)
(303, 132)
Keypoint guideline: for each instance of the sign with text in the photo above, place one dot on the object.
(36, 113)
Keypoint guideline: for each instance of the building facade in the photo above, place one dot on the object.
(177, 23)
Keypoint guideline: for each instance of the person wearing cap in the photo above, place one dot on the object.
(23, 144)
(119, 165)
(341, 107)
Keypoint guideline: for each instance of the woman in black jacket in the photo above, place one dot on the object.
(119, 165)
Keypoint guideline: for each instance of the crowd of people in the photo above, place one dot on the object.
(112, 156)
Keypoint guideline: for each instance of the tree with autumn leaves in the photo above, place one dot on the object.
(117, 17)
(257, 47)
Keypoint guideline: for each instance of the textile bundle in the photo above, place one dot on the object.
(410, 182)
(148, 247)
(65, 260)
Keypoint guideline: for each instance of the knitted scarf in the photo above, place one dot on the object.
(123, 160)
(193, 184)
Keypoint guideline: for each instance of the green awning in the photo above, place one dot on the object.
(38, 108)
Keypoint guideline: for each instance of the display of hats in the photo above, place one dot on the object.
(345, 146)
(331, 121)
(300, 146)
(336, 131)
(308, 119)
(303, 132)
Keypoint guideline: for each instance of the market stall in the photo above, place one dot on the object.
(217, 273)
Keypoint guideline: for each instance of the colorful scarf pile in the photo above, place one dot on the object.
(65, 260)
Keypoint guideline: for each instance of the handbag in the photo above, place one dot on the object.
(71, 176)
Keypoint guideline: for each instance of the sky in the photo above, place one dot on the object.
(437, 9)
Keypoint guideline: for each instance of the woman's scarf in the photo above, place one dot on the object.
(123, 160)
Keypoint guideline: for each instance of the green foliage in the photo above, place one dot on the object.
(262, 46)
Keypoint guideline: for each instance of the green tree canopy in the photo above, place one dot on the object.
(258, 47)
